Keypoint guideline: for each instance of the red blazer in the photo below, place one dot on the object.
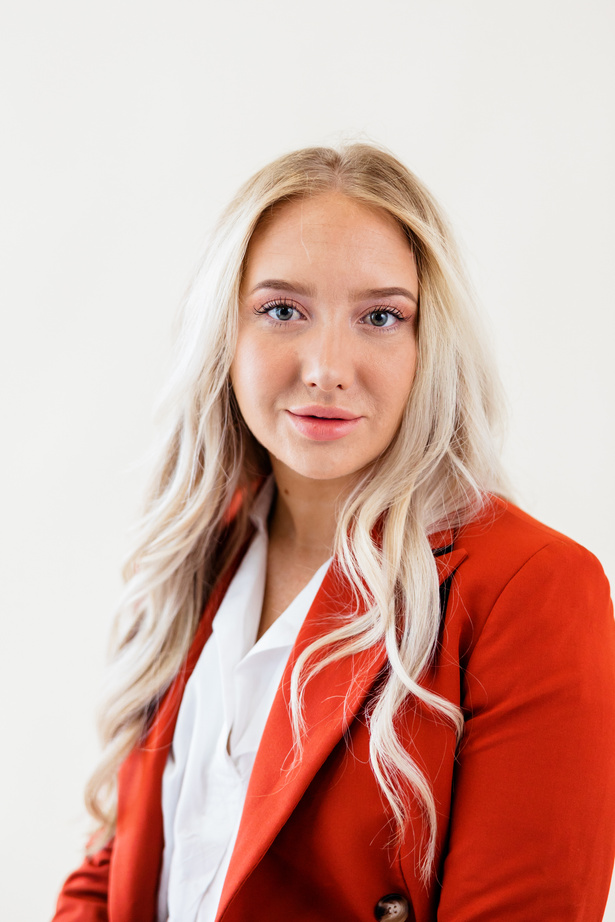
(526, 804)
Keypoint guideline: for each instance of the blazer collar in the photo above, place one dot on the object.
(333, 697)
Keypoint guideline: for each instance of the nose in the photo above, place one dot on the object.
(328, 362)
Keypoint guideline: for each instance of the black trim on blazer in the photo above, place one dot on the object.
(439, 551)
(445, 588)
(445, 585)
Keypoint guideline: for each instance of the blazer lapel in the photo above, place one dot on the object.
(332, 699)
(447, 563)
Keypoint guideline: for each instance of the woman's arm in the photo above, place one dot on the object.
(83, 897)
(533, 824)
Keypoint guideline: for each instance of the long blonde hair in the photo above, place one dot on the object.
(437, 472)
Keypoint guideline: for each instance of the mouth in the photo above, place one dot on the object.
(323, 424)
(316, 412)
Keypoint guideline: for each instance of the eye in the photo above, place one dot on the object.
(383, 318)
(280, 311)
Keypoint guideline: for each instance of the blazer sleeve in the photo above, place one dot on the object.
(83, 897)
(532, 832)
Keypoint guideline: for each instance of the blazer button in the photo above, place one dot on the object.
(392, 906)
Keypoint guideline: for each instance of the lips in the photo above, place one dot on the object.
(323, 424)
(323, 412)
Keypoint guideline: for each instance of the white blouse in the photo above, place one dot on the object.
(222, 716)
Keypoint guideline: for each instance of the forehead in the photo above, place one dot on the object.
(329, 233)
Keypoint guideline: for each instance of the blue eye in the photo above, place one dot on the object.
(380, 318)
(383, 318)
(278, 311)
(281, 312)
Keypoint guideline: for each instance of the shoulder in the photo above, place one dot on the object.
(503, 540)
(515, 567)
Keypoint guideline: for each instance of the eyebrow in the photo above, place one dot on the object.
(281, 285)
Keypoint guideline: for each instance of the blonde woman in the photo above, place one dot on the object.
(351, 680)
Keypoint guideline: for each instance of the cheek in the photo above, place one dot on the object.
(259, 371)
(391, 377)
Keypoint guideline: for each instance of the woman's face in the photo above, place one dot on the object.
(326, 351)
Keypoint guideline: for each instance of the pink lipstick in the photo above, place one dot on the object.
(323, 424)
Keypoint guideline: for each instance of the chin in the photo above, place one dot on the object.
(319, 470)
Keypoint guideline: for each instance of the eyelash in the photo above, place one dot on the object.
(271, 305)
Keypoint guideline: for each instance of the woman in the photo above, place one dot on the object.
(351, 680)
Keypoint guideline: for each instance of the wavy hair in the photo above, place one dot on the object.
(436, 474)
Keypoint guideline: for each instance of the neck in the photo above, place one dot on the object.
(305, 511)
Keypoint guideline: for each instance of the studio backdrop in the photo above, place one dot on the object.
(126, 127)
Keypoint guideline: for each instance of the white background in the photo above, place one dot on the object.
(126, 127)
